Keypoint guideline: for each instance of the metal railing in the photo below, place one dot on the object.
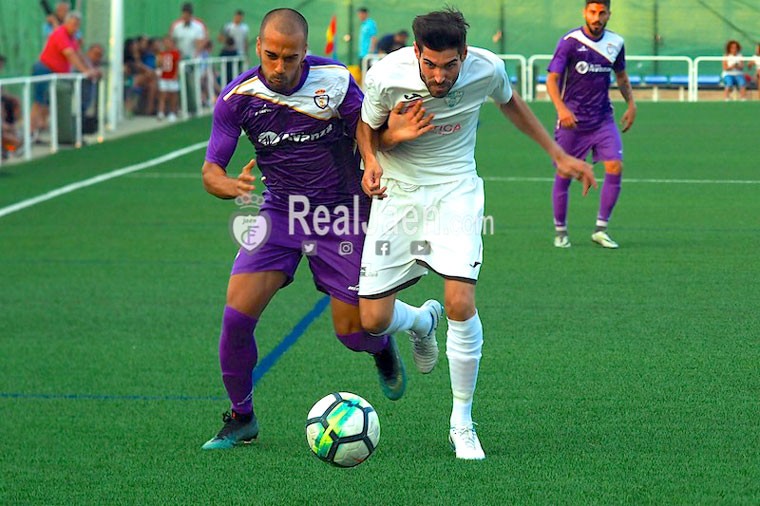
(200, 80)
(27, 83)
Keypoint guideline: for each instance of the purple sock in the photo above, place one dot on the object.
(609, 196)
(559, 200)
(364, 341)
(238, 356)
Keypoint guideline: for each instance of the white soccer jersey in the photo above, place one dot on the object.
(447, 152)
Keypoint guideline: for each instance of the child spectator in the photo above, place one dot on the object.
(168, 84)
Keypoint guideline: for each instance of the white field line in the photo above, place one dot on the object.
(63, 190)
(504, 179)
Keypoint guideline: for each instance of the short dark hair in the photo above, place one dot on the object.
(187, 7)
(441, 30)
(362, 9)
(239, 12)
(286, 20)
(606, 3)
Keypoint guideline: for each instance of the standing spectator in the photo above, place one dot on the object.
(733, 70)
(168, 84)
(60, 54)
(189, 33)
(94, 58)
(392, 41)
(229, 50)
(238, 31)
(367, 34)
(140, 81)
(54, 18)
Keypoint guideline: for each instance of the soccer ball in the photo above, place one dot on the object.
(342, 429)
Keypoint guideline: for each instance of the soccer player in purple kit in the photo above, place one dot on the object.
(300, 113)
(578, 84)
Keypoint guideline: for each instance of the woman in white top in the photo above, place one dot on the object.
(733, 70)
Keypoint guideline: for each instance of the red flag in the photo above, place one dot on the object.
(330, 35)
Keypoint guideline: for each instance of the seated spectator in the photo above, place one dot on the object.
(392, 41)
(733, 70)
(754, 63)
(60, 55)
(140, 81)
(11, 112)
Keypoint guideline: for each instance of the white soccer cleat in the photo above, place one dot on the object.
(465, 443)
(561, 241)
(602, 239)
(425, 347)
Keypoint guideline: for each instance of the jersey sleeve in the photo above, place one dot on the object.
(558, 64)
(501, 89)
(619, 64)
(350, 109)
(374, 110)
(225, 132)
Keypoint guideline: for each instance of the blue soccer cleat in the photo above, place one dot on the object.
(235, 432)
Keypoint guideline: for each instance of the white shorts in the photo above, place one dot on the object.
(168, 85)
(416, 228)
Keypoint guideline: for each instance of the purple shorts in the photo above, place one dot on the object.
(604, 142)
(333, 249)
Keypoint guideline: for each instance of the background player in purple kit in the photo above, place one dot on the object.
(578, 84)
(300, 113)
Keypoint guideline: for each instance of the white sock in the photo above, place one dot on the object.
(464, 342)
(406, 317)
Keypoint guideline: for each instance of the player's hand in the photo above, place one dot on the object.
(371, 180)
(244, 180)
(629, 116)
(407, 122)
(569, 166)
(566, 118)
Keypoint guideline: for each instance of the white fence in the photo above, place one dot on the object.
(687, 80)
(201, 79)
(27, 83)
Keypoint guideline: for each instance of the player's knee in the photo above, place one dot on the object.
(614, 168)
(459, 308)
(346, 326)
(373, 320)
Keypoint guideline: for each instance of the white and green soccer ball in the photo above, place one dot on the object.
(342, 429)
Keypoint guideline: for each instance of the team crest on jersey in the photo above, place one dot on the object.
(611, 48)
(454, 97)
(321, 99)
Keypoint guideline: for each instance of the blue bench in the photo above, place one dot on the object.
(656, 80)
(708, 80)
(541, 79)
(679, 80)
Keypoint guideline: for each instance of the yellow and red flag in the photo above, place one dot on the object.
(330, 35)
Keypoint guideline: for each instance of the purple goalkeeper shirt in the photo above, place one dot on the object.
(586, 66)
(304, 140)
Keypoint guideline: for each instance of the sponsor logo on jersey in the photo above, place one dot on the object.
(447, 129)
(270, 138)
(454, 97)
(582, 49)
(584, 67)
(412, 96)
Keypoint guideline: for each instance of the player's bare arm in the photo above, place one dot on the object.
(367, 141)
(518, 112)
(624, 84)
(405, 123)
(219, 184)
(565, 116)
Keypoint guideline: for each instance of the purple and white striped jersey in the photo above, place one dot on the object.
(304, 140)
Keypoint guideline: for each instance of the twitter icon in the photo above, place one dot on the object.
(309, 248)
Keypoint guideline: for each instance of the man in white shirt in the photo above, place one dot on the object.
(238, 31)
(189, 33)
(428, 207)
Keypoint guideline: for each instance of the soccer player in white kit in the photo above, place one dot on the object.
(417, 139)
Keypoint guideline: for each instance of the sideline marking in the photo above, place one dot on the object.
(504, 179)
(63, 190)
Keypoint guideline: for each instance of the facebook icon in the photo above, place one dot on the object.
(382, 248)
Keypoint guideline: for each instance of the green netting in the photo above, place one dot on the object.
(665, 27)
